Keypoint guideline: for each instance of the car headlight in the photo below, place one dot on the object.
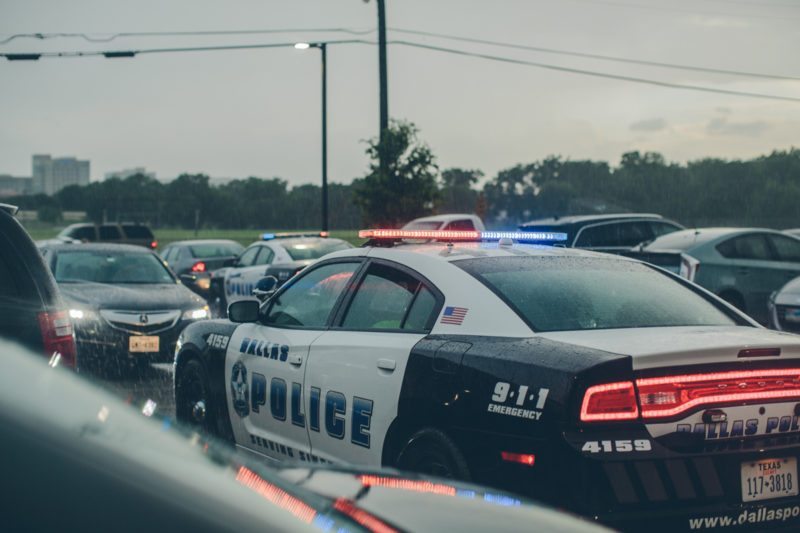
(196, 314)
(82, 315)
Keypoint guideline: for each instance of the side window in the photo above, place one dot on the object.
(84, 233)
(421, 310)
(788, 249)
(753, 246)
(109, 232)
(308, 301)
(265, 257)
(461, 225)
(167, 254)
(633, 233)
(248, 257)
(598, 236)
(662, 228)
(383, 300)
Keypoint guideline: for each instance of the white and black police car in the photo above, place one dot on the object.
(594, 382)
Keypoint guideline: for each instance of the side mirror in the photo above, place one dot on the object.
(265, 287)
(188, 279)
(243, 311)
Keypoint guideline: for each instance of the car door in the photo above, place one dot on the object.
(251, 275)
(754, 269)
(355, 369)
(235, 286)
(787, 251)
(265, 362)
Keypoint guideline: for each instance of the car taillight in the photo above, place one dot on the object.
(58, 336)
(153, 244)
(199, 267)
(610, 402)
(668, 396)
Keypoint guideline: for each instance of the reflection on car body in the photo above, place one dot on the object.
(588, 380)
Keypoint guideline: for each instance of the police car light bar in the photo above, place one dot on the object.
(290, 235)
(452, 235)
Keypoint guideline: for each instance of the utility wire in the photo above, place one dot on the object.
(105, 38)
(595, 56)
(597, 74)
(541, 49)
(650, 7)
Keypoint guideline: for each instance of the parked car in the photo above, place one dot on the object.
(606, 233)
(32, 311)
(118, 233)
(126, 306)
(784, 308)
(453, 222)
(98, 464)
(741, 265)
(194, 260)
(278, 254)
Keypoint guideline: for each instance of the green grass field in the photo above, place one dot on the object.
(166, 236)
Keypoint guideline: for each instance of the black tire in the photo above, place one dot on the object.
(430, 451)
(191, 387)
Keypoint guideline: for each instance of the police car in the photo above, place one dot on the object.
(594, 382)
(278, 254)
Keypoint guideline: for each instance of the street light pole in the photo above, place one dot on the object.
(323, 48)
(383, 81)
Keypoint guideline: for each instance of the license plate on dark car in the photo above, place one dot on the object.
(766, 479)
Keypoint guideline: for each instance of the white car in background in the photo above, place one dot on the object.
(452, 222)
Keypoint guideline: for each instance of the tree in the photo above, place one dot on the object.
(407, 189)
(457, 194)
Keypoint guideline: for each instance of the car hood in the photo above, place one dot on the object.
(682, 345)
(789, 294)
(418, 503)
(143, 297)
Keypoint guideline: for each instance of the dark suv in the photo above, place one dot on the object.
(120, 233)
(31, 309)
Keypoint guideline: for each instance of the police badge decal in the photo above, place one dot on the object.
(239, 391)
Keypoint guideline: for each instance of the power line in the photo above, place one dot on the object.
(105, 38)
(596, 56)
(595, 73)
(662, 8)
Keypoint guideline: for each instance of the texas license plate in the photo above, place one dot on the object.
(769, 478)
(143, 344)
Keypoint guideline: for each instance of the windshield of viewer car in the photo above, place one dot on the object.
(110, 267)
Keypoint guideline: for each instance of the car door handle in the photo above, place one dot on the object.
(742, 271)
(387, 364)
(237, 275)
(296, 360)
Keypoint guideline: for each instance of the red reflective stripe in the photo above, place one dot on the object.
(527, 459)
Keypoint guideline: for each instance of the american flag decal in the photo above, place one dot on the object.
(454, 315)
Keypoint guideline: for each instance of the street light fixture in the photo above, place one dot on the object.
(324, 49)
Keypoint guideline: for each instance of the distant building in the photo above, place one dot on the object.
(128, 172)
(12, 186)
(50, 175)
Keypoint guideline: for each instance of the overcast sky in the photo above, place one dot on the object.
(243, 113)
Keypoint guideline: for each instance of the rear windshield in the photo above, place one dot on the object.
(221, 249)
(578, 293)
(423, 225)
(137, 232)
(110, 267)
(303, 251)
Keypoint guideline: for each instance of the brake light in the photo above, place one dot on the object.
(58, 336)
(199, 267)
(672, 395)
(610, 402)
(669, 396)
(153, 244)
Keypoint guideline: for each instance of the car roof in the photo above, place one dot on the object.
(444, 218)
(450, 252)
(702, 236)
(191, 242)
(579, 219)
(97, 247)
(8, 208)
(298, 240)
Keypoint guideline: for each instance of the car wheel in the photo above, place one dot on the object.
(430, 451)
(191, 396)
